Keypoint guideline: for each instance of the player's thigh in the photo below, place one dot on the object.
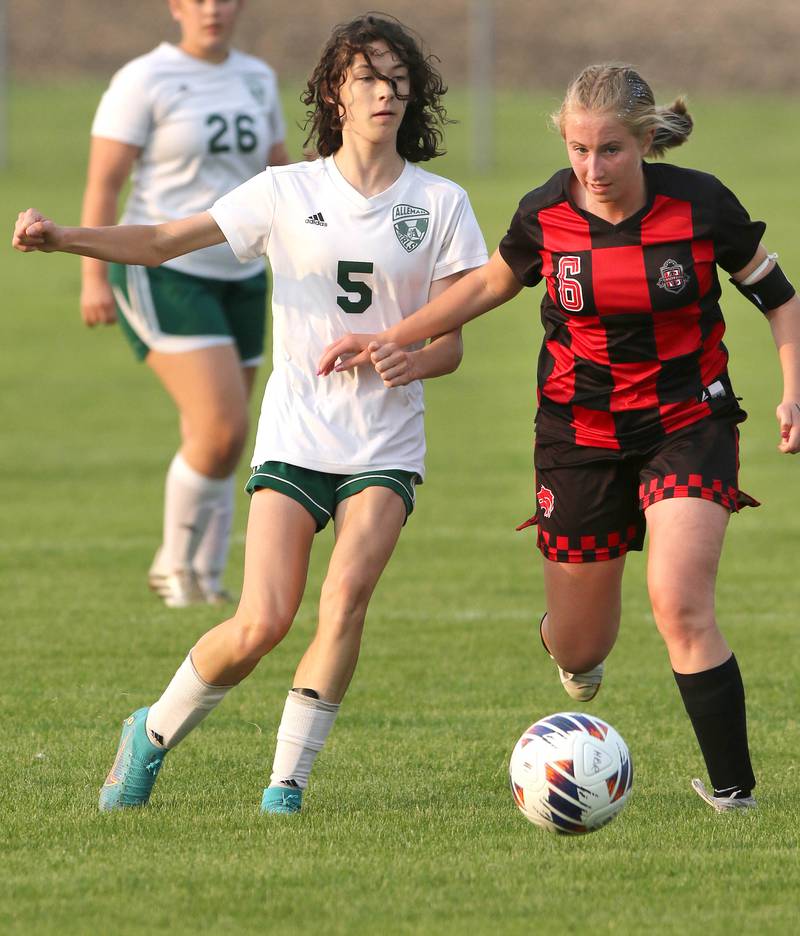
(685, 543)
(207, 386)
(280, 532)
(689, 488)
(368, 525)
(279, 537)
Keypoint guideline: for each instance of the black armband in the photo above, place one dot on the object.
(769, 292)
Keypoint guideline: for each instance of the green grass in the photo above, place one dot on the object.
(409, 827)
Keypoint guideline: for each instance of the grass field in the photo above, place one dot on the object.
(409, 826)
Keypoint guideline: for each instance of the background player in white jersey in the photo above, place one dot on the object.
(362, 234)
(189, 122)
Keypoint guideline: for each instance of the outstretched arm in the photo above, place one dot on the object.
(785, 324)
(482, 289)
(784, 321)
(142, 244)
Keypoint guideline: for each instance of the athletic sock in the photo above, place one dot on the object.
(189, 500)
(304, 727)
(212, 552)
(184, 704)
(714, 702)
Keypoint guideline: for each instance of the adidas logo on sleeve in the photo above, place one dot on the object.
(317, 219)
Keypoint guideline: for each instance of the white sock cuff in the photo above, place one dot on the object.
(307, 722)
(184, 704)
(181, 470)
(207, 687)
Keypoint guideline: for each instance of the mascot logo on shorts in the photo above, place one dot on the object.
(673, 278)
(546, 500)
(410, 225)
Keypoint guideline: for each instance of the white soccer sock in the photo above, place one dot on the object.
(212, 552)
(185, 703)
(189, 499)
(304, 728)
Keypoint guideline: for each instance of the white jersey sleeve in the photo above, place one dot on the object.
(245, 216)
(125, 112)
(463, 246)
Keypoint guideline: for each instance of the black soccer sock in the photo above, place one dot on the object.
(714, 701)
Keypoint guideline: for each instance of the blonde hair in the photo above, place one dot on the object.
(620, 90)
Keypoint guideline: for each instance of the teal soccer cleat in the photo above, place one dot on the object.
(278, 799)
(136, 766)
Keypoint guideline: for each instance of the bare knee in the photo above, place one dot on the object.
(579, 646)
(682, 618)
(581, 659)
(218, 442)
(343, 604)
(257, 631)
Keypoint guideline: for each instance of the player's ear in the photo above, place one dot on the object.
(175, 9)
(333, 102)
(647, 141)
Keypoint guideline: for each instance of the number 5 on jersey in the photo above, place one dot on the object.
(344, 275)
(569, 289)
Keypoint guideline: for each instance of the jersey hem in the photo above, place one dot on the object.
(241, 272)
(314, 464)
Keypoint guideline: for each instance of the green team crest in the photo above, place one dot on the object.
(255, 87)
(410, 225)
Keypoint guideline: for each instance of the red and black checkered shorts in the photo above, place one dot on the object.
(595, 510)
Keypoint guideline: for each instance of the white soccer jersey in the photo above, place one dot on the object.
(342, 262)
(203, 129)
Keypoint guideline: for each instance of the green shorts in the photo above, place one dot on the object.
(320, 493)
(164, 310)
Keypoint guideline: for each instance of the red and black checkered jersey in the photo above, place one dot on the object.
(633, 329)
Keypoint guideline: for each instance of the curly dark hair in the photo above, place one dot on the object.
(420, 134)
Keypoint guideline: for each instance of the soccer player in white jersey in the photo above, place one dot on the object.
(361, 235)
(189, 122)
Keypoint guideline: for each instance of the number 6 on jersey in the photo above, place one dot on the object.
(569, 290)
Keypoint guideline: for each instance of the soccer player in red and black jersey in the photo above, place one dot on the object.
(637, 420)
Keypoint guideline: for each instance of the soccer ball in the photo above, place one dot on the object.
(570, 773)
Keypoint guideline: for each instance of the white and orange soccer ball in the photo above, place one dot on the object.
(571, 773)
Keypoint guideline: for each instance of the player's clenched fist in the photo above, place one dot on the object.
(788, 413)
(33, 231)
(394, 365)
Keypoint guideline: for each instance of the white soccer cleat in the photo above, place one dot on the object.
(177, 589)
(723, 803)
(582, 687)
